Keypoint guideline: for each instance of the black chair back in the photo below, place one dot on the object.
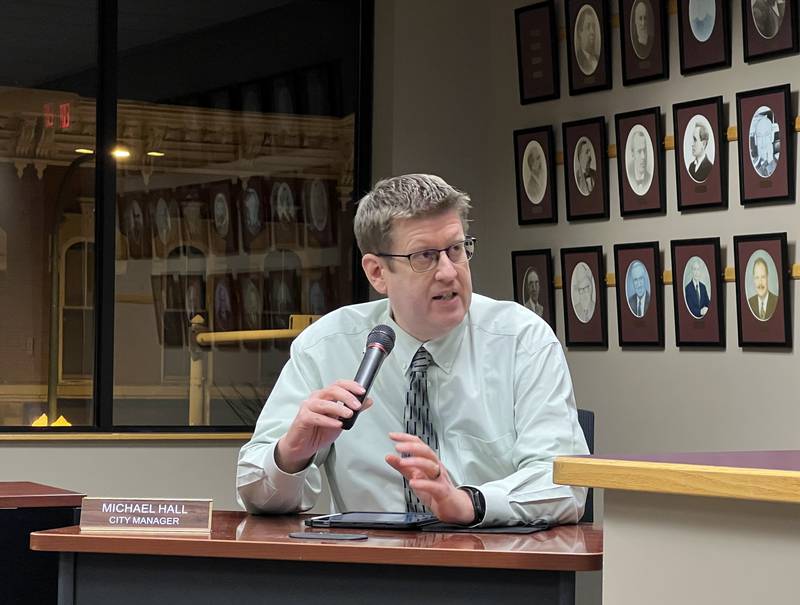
(586, 420)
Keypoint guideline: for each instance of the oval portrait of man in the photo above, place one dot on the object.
(318, 205)
(702, 18)
(587, 40)
(641, 27)
(637, 288)
(584, 164)
(252, 211)
(699, 148)
(221, 215)
(532, 290)
(584, 293)
(283, 203)
(316, 298)
(761, 285)
(534, 172)
(252, 305)
(697, 287)
(223, 309)
(767, 16)
(639, 158)
(163, 220)
(764, 141)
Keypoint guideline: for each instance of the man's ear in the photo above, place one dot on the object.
(373, 269)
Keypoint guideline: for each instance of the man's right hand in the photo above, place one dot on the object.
(317, 424)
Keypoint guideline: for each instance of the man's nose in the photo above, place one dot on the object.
(445, 268)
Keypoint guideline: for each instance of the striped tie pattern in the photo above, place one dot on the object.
(418, 418)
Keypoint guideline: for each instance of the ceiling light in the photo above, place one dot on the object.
(156, 154)
(84, 151)
(121, 153)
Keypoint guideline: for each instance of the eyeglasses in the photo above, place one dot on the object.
(425, 260)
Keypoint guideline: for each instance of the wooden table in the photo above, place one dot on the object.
(718, 527)
(28, 578)
(249, 559)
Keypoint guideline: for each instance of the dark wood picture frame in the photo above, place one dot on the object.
(645, 55)
(765, 125)
(642, 188)
(640, 318)
(766, 35)
(535, 153)
(698, 292)
(589, 69)
(699, 126)
(763, 259)
(532, 264)
(537, 52)
(705, 44)
(587, 189)
(583, 279)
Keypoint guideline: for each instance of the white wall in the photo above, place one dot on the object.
(447, 101)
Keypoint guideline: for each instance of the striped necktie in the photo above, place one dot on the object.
(417, 417)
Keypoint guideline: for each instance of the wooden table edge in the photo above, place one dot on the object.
(317, 551)
(771, 485)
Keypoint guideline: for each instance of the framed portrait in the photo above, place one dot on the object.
(701, 154)
(583, 278)
(640, 303)
(194, 289)
(224, 304)
(254, 209)
(194, 219)
(765, 125)
(643, 39)
(134, 223)
(586, 168)
(535, 165)
(224, 222)
(320, 211)
(640, 162)
(164, 223)
(286, 215)
(317, 291)
(532, 276)
(537, 52)
(762, 290)
(588, 45)
(769, 29)
(698, 292)
(176, 326)
(250, 289)
(704, 35)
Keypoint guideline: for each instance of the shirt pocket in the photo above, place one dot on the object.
(481, 460)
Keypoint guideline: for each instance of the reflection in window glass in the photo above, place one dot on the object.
(47, 91)
(230, 205)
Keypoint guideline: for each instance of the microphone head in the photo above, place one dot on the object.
(382, 336)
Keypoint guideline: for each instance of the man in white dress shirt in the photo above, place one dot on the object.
(499, 392)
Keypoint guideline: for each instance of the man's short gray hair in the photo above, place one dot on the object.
(404, 197)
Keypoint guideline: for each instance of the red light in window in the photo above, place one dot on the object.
(49, 115)
(64, 115)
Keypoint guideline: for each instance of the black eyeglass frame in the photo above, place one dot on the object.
(469, 248)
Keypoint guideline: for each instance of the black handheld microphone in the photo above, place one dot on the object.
(380, 343)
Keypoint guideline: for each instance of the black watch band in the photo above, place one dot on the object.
(478, 503)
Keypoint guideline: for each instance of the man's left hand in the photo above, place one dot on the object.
(430, 480)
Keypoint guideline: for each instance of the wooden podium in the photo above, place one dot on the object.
(696, 528)
(250, 559)
(28, 578)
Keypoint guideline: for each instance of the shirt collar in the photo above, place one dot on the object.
(443, 350)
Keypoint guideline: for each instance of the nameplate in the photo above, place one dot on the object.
(145, 515)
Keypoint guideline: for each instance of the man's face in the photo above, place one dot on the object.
(760, 279)
(220, 214)
(638, 280)
(639, 156)
(696, 271)
(584, 158)
(426, 305)
(640, 19)
(698, 144)
(585, 293)
(587, 35)
(532, 286)
(534, 162)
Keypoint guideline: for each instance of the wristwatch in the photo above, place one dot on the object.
(478, 502)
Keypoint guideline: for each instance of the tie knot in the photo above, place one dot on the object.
(421, 361)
